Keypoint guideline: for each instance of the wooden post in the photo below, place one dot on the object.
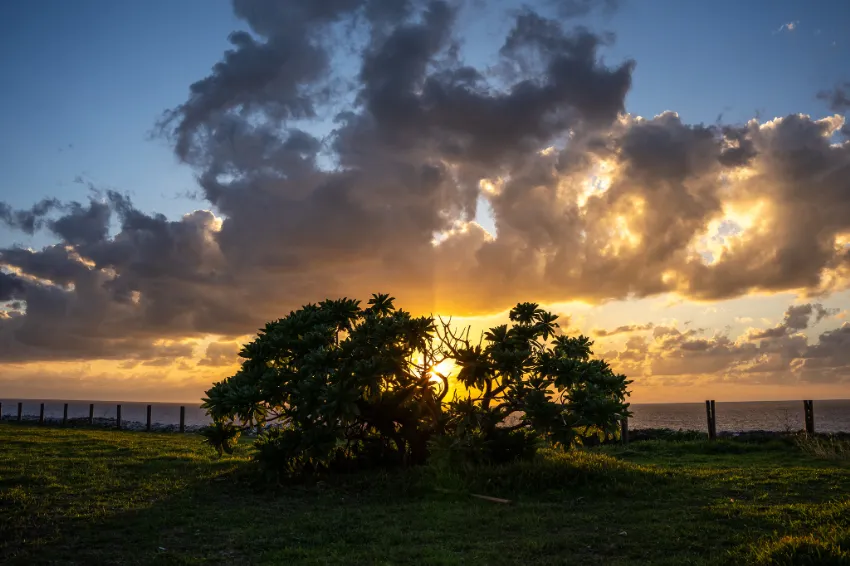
(20, 410)
(65, 415)
(91, 413)
(713, 421)
(1, 411)
(148, 427)
(118, 417)
(182, 418)
(709, 414)
(624, 430)
(41, 415)
(809, 414)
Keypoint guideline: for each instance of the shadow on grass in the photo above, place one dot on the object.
(166, 503)
(174, 510)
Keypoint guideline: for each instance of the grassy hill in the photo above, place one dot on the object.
(109, 497)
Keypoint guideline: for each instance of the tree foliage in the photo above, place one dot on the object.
(333, 384)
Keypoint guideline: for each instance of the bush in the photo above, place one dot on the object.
(221, 436)
(343, 386)
(461, 452)
(289, 452)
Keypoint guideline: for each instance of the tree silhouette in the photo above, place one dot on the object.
(334, 384)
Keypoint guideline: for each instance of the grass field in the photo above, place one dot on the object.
(109, 497)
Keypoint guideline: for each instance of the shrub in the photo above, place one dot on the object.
(221, 436)
(462, 452)
(338, 386)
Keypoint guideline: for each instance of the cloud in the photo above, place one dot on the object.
(219, 354)
(838, 98)
(797, 318)
(11, 287)
(829, 359)
(777, 357)
(27, 221)
(789, 27)
(623, 329)
(324, 180)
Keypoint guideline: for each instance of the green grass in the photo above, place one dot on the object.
(109, 497)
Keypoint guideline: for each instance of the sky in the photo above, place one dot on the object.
(672, 178)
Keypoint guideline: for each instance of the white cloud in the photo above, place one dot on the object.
(789, 27)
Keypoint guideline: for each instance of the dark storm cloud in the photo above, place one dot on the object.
(83, 225)
(11, 287)
(282, 72)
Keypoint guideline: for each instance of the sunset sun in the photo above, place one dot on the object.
(446, 368)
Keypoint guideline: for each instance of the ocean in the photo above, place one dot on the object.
(830, 415)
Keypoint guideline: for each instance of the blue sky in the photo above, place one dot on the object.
(86, 80)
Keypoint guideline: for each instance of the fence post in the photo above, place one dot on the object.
(709, 414)
(624, 430)
(809, 413)
(41, 415)
(182, 418)
(91, 414)
(20, 410)
(148, 427)
(118, 417)
(65, 415)
(1, 411)
(713, 421)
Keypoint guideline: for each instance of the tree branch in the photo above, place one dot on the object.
(445, 390)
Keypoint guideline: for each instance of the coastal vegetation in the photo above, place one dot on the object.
(337, 386)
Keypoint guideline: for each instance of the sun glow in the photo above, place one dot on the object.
(724, 233)
(597, 182)
(445, 368)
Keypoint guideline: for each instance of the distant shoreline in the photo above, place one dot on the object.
(831, 415)
(635, 435)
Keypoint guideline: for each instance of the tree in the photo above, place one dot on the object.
(528, 377)
(341, 380)
(334, 384)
